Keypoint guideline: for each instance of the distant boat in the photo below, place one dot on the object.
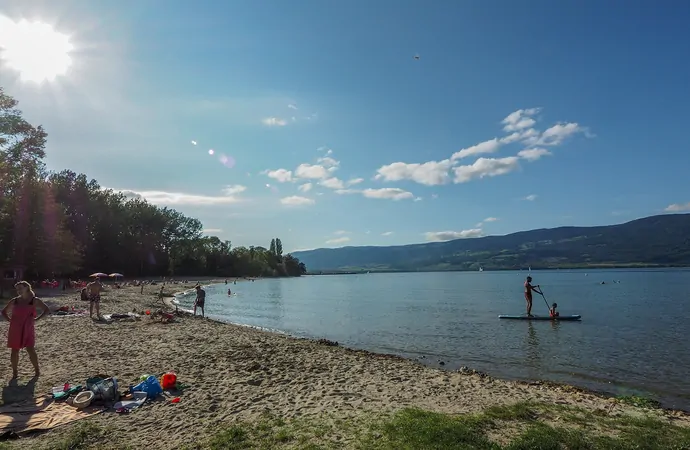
(481, 269)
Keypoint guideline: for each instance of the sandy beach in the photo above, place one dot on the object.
(239, 374)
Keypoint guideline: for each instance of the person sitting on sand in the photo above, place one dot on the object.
(528, 294)
(553, 312)
(200, 300)
(93, 290)
(21, 333)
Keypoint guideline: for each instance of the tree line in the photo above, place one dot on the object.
(60, 224)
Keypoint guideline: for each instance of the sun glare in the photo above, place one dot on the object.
(34, 49)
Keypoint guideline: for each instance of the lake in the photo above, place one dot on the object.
(633, 337)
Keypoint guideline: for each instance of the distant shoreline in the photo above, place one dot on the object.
(510, 269)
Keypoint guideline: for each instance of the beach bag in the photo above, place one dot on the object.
(103, 389)
(150, 385)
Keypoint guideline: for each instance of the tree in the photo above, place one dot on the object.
(63, 224)
(279, 250)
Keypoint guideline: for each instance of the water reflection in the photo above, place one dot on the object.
(533, 353)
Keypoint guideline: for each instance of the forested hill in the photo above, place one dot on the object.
(652, 241)
(60, 224)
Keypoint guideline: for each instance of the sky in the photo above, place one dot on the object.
(330, 123)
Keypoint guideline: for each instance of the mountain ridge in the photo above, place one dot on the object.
(662, 240)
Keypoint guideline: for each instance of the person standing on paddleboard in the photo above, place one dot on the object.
(528, 294)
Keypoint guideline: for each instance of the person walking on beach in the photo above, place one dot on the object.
(93, 290)
(528, 294)
(21, 313)
(200, 300)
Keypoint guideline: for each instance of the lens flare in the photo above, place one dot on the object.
(211, 152)
(227, 161)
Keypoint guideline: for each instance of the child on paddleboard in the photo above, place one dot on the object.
(553, 312)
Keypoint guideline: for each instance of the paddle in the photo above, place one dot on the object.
(544, 297)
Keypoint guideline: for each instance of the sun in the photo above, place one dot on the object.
(34, 49)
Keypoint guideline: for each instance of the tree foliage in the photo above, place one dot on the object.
(63, 224)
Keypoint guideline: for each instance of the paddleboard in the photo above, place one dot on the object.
(524, 317)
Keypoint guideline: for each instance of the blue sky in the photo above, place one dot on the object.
(327, 131)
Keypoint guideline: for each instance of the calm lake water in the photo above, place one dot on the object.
(633, 337)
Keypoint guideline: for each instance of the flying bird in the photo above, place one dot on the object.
(416, 57)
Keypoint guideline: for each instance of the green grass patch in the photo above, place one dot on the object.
(514, 427)
(640, 402)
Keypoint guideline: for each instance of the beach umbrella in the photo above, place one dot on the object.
(98, 275)
(115, 275)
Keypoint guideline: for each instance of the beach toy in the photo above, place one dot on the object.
(83, 399)
(151, 386)
(169, 380)
(175, 400)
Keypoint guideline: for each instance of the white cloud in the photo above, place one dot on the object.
(558, 133)
(341, 232)
(519, 124)
(533, 154)
(487, 220)
(486, 167)
(387, 233)
(387, 193)
(450, 235)
(292, 106)
(328, 162)
(490, 146)
(280, 175)
(193, 142)
(332, 183)
(339, 240)
(434, 196)
(306, 187)
(519, 119)
(355, 181)
(530, 198)
(312, 171)
(178, 198)
(296, 200)
(274, 122)
(211, 230)
(417, 199)
(430, 173)
(383, 193)
(234, 189)
(678, 207)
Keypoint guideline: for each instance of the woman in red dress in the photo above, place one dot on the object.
(21, 313)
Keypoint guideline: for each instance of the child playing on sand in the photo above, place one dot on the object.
(21, 333)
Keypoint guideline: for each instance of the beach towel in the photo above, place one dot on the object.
(41, 414)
